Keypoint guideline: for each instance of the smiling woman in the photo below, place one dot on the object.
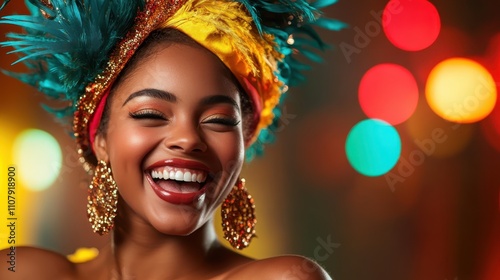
(163, 121)
(183, 119)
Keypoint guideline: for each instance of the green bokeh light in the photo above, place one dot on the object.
(373, 147)
(38, 158)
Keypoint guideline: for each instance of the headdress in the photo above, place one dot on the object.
(75, 49)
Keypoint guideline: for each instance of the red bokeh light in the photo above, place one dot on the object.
(491, 127)
(411, 25)
(388, 92)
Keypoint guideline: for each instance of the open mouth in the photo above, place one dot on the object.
(179, 180)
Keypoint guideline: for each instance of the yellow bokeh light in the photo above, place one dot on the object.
(461, 90)
(39, 159)
(15, 207)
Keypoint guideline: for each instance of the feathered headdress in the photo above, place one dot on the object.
(75, 49)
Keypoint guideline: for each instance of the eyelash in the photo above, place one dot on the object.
(223, 121)
(147, 114)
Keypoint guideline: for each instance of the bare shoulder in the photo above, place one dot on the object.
(34, 263)
(289, 267)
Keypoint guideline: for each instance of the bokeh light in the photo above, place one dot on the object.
(388, 92)
(461, 90)
(492, 57)
(491, 128)
(411, 25)
(38, 157)
(373, 147)
(494, 119)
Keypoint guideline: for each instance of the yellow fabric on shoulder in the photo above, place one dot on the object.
(83, 255)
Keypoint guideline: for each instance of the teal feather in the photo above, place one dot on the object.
(330, 24)
(323, 3)
(5, 2)
(57, 50)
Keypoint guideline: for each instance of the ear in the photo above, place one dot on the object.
(100, 148)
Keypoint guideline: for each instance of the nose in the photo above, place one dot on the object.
(185, 137)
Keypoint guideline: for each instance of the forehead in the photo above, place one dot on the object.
(189, 72)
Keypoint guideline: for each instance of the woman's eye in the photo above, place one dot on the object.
(147, 115)
(222, 121)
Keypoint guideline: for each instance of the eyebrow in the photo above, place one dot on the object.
(218, 99)
(170, 97)
(154, 93)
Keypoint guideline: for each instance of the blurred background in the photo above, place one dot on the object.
(386, 167)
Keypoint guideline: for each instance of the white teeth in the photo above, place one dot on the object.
(187, 176)
(180, 175)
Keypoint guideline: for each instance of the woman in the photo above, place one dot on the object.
(168, 96)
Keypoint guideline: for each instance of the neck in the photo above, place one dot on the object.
(138, 251)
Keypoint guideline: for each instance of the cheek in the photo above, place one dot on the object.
(128, 145)
(229, 149)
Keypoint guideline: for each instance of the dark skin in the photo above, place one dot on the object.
(154, 239)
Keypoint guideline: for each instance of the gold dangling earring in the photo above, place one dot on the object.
(238, 216)
(102, 199)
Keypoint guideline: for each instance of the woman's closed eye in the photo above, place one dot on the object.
(221, 120)
(148, 114)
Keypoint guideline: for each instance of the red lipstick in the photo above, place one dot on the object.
(177, 197)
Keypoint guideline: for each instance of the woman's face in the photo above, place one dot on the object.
(174, 139)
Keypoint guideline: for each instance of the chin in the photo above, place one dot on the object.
(180, 221)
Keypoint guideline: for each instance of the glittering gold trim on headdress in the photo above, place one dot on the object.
(146, 21)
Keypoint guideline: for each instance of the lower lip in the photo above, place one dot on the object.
(176, 198)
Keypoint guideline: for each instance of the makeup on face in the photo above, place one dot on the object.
(175, 138)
